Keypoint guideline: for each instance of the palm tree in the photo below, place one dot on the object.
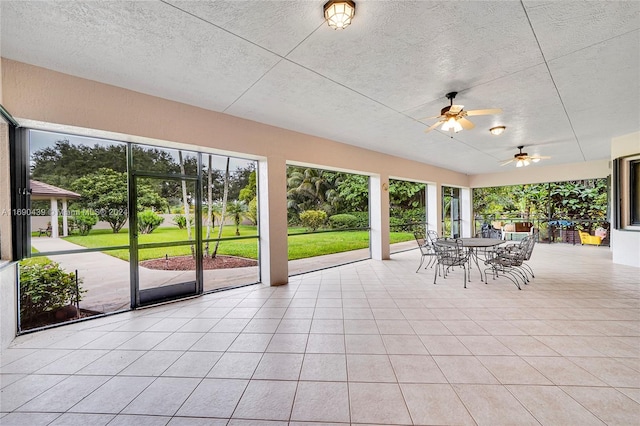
(237, 209)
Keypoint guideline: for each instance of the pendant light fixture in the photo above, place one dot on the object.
(339, 13)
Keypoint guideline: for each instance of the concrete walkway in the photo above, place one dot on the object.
(106, 278)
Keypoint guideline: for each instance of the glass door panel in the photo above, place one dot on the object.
(168, 259)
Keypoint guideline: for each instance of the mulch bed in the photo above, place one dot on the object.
(188, 263)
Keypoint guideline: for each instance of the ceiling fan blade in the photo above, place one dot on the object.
(455, 109)
(539, 157)
(431, 118)
(433, 126)
(466, 124)
(484, 111)
(507, 162)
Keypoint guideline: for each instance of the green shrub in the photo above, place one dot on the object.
(148, 220)
(84, 221)
(362, 219)
(180, 220)
(71, 225)
(313, 219)
(45, 286)
(343, 221)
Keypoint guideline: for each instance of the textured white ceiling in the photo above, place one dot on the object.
(565, 73)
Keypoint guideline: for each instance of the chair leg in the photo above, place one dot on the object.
(421, 262)
(435, 275)
(464, 275)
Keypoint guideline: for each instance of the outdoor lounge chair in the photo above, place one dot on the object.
(46, 231)
(589, 239)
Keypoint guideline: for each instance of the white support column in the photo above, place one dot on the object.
(466, 212)
(379, 214)
(434, 207)
(272, 211)
(65, 223)
(54, 218)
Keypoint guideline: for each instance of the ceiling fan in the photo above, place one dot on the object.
(453, 116)
(523, 159)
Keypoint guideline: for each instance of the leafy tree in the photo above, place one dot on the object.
(353, 192)
(105, 192)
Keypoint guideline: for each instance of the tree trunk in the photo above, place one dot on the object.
(224, 207)
(185, 201)
(209, 206)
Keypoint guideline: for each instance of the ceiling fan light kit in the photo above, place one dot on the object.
(497, 130)
(454, 118)
(339, 13)
(522, 159)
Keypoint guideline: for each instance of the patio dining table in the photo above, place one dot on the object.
(473, 245)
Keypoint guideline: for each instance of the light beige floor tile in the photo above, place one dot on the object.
(230, 325)
(64, 395)
(72, 362)
(329, 326)
(113, 396)
(416, 369)
(190, 421)
(350, 313)
(193, 364)
(251, 342)
(569, 345)
(403, 344)
(321, 402)
(360, 327)
(420, 314)
(364, 344)
(289, 343)
(390, 326)
(80, 419)
(324, 367)
(262, 325)
(500, 327)
(611, 371)
(153, 363)
(34, 361)
(435, 404)
(279, 366)
(464, 369)
(493, 405)
(551, 406)
(526, 346)
(325, 343)
(387, 314)
(28, 419)
(633, 393)
(145, 341)
(609, 405)
(139, 420)
(294, 326)
(561, 371)
(462, 328)
(235, 365)
(112, 363)
(215, 342)
(513, 370)
(377, 403)
(162, 397)
(444, 345)
(25, 389)
(484, 345)
(266, 400)
(240, 422)
(369, 368)
(213, 398)
(429, 328)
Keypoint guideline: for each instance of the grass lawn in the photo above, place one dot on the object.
(300, 246)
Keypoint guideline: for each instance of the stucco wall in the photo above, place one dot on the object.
(625, 244)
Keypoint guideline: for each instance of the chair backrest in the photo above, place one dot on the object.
(423, 244)
(432, 236)
(449, 250)
(529, 248)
